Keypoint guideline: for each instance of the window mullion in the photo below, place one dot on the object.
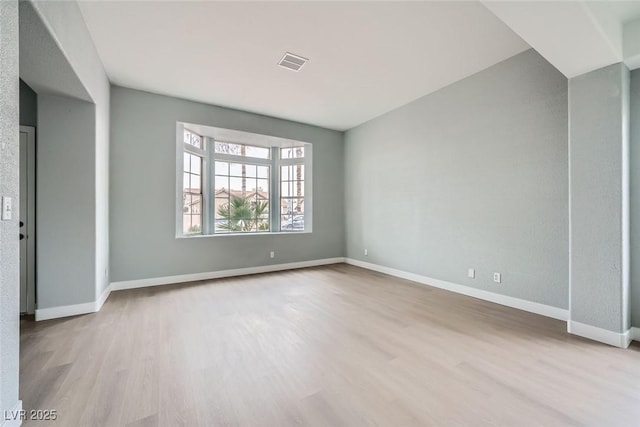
(194, 150)
(241, 159)
(207, 186)
(275, 189)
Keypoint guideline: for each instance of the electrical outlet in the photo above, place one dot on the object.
(272, 254)
(497, 277)
(366, 252)
(471, 273)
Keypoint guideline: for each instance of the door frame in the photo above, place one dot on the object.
(31, 217)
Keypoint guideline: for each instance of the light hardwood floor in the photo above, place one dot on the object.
(328, 346)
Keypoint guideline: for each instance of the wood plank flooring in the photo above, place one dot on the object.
(327, 346)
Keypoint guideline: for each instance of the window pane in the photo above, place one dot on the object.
(221, 215)
(228, 148)
(186, 203)
(292, 206)
(187, 164)
(192, 139)
(196, 162)
(292, 223)
(246, 210)
(250, 186)
(286, 172)
(196, 140)
(298, 206)
(222, 209)
(286, 189)
(196, 224)
(185, 181)
(235, 169)
(261, 213)
(222, 168)
(263, 186)
(186, 223)
(292, 214)
(285, 207)
(196, 204)
(235, 185)
(221, 184)
(195, 183)
(291, 173)
(262, 208)
(259, 152)
(292, 153)
(242, 150)
(250, 171)
(292, 189)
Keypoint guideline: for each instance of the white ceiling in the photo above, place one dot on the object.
(366, 58)
(576, 36)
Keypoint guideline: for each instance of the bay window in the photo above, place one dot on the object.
(234, 182)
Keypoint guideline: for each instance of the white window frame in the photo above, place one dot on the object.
(210, 135)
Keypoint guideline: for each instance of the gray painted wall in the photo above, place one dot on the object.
(67, 25)
(635, 197)
(142, 192)
(65, 249)
(472, 176)
(28, 105)
(9, 255)
(44, 65)
(598, 111)
(58, 57)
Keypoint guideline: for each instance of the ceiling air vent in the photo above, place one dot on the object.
(292, 62)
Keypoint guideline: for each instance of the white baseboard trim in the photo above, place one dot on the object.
(533, 307)
(168, 280)
(635, 334)
(74, 309)
(95, 306)
(615, 339)
(103, 298)
(13, 417)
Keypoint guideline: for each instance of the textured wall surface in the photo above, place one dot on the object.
(9, 248)
(596, 147)
(28, 106)
(65, 179)
(44, 66)
(143, 162)
(635, 198)
(472, 176)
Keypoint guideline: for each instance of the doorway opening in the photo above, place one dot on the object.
(27, 219)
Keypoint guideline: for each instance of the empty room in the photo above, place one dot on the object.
(319, 213)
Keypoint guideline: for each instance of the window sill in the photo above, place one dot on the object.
(273, 233)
